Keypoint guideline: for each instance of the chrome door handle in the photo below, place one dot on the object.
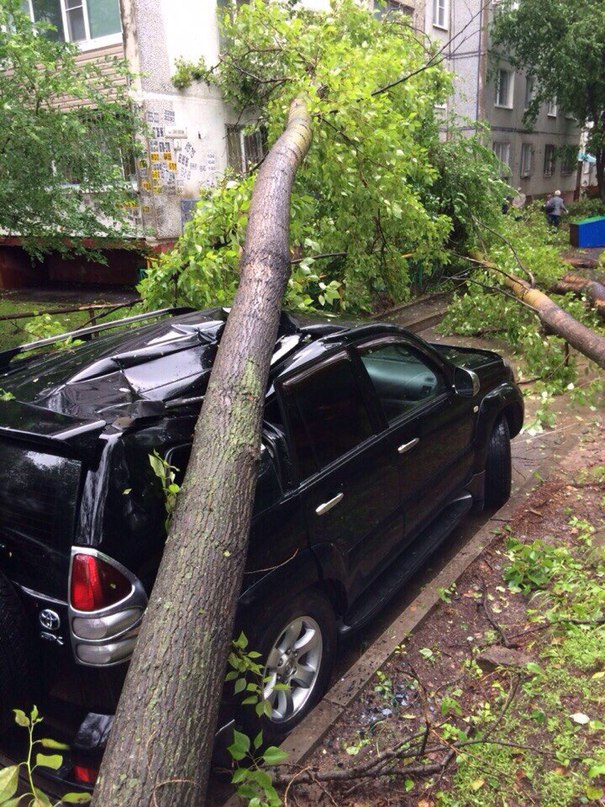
(408, 446)
(323, 508)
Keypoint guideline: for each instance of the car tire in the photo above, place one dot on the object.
(17, 672)
(297, 647)
(498, 468)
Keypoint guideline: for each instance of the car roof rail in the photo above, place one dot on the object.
(7, 355)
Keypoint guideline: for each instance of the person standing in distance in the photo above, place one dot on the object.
(555, 207)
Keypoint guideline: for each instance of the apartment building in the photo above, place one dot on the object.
(538, 160)
(194, 136)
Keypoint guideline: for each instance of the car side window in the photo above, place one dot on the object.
(327, 414)
(402, 378)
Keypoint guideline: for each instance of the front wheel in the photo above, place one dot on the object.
(498, 467)
(297, 650)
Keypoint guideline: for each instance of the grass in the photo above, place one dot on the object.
(557, 717)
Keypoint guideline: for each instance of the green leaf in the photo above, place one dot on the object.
(239, 685)
(240, 745)
(76, 798)
(239, 775)
(53, 761)
(9, 780)
(21, 719)
(594, 793)
(274, 755)
(48, 743)
(40, 799)
(242, 641)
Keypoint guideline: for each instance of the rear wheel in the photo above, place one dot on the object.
(498, 470)
(17, 681)
(297, 651)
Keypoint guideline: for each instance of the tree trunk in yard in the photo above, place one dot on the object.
(160, 746)
(561, 323)
(594, 290)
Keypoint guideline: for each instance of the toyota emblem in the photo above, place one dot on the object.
(49, 619)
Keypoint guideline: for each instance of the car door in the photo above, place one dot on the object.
(348, 484)
(429, 426)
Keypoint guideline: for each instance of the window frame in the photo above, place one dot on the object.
(510, 89)
(441, 14)
(552, 108)
(530, 91)
(88, 43)
(526, 167)
(235, 132)
(497, 145)
(550, 159)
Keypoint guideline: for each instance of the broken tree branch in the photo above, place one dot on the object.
(593, 290)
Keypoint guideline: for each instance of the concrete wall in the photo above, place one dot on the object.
(461, 41)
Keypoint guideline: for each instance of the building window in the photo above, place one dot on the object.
(245, 150)
(504, 88)
(527, 154)
(569, 157)
(530, 91)
(392, 7)
(551, 109)
(440, 14)
(79, 20)
(502, 152)
(549, 159)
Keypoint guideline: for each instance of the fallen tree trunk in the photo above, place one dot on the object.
(594, 290)
(559, 322)
(161, 743)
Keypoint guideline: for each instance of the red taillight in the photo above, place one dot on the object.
(87, 776)
(96, 584)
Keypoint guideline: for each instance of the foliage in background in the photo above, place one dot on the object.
(378, 193)
(61, 172)
(561, 45)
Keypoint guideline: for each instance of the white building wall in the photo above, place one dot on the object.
(186, 146)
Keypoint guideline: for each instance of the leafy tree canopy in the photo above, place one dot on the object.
(561, 44)
(64, 130)
(379, 192)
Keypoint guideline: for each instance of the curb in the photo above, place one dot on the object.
(311, 732)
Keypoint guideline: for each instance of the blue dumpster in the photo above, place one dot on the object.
(588, 232)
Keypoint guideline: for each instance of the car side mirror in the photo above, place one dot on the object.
(466, 382)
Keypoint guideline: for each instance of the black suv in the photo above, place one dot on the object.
(375, 445)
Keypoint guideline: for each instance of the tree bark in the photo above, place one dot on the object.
(161, 743)
(561, 323)
(594, 290)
